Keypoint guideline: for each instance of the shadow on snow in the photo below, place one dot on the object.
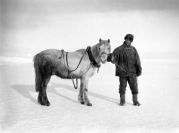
(25, 90)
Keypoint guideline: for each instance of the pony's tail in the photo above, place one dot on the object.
(38, 77)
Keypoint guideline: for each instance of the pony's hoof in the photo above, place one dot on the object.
(43, 101)
(136, 104)
(122, 103)
(82, 102)
(47, 103)
(89, 104)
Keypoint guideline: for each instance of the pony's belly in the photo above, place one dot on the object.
(67, 75)
(63, 75)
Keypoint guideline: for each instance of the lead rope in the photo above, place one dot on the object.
(69, 71)
(75, 86)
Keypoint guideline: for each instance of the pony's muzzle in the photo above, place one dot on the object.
(104, 57)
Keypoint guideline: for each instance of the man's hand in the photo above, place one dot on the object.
(139, 71)
(109, 59)
(138, 74)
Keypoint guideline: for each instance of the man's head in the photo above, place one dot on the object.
(129, 39)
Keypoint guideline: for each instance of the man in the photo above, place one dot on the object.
(128, 68)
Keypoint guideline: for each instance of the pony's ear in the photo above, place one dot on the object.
(108, 40)
(100, 40)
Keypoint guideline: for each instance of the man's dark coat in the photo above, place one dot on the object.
(127, 61)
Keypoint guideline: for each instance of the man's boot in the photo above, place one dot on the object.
(122, 99)
(135, 100)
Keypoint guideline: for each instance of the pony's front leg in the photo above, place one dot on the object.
(84, 91)
(80, 96)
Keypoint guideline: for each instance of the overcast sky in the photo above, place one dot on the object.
(66, 6)
(29, 26)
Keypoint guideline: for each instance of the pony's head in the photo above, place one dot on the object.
(103, 48)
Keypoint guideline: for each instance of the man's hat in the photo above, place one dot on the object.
(129, 37)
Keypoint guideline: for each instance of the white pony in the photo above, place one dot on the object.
(80, 64)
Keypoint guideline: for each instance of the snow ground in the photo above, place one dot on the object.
(158, 94)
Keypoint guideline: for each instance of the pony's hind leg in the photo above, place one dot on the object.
(42, 97)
